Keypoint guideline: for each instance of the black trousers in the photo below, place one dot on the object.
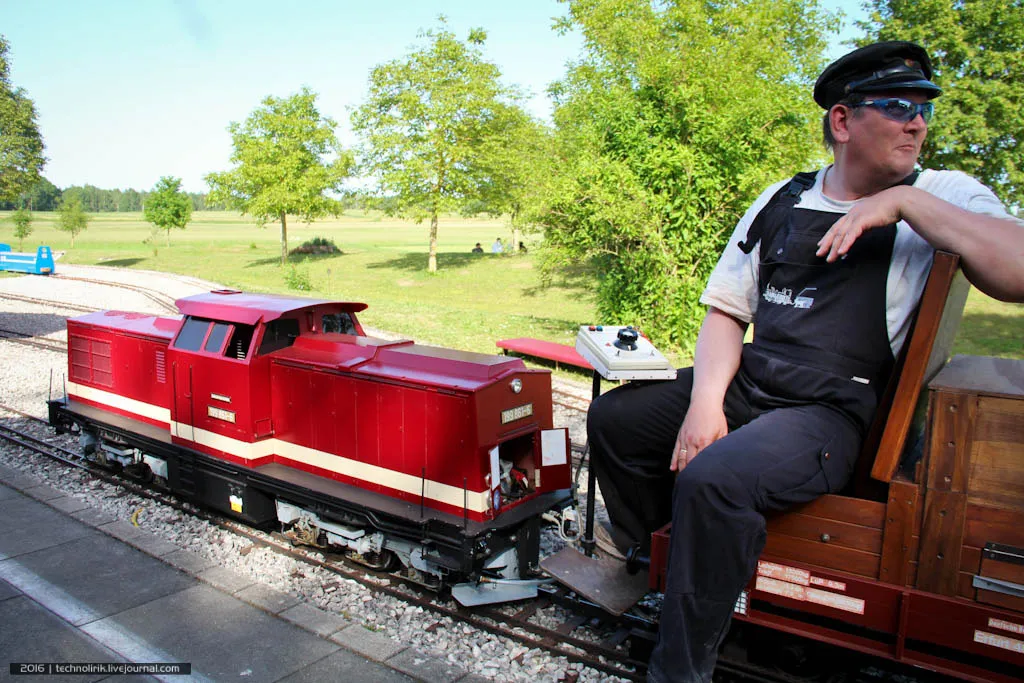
(780, 451)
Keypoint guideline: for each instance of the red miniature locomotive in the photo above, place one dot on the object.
(280, 409)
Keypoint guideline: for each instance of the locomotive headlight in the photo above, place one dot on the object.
(516, 385)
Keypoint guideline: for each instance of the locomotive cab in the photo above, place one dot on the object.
(220, 361)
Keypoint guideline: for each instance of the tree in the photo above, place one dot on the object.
(168, 207)
(22, 219)
(287, 158)
(516, 157)
(130, 200)
(672, 121)
(43, 196)
(72, 218)
(977, 50)
(424, 123)
(21, 145)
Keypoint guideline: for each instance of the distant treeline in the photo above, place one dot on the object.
(45, 196)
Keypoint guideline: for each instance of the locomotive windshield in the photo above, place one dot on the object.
(192, 334)
(196, 331)
(338, 322)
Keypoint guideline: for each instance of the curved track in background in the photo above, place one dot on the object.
(159, 298)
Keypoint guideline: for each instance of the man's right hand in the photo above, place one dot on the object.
(704, 424)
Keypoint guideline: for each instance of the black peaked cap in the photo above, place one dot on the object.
(897, 64)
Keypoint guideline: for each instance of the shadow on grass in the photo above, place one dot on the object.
(991, 334)
(121, 262)
(415, 262)
(293, 259)
(579, 276)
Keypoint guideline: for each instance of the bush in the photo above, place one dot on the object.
(317, 245)
(298, 280)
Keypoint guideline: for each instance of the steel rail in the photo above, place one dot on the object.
(557, 641)
(48, 302)
(38, 342)
(491, 621)
(157, 297)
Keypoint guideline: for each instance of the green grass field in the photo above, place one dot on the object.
(473, 300)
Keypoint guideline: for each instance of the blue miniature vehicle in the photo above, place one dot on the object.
(39, 264)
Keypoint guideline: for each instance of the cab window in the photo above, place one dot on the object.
(338, 322)
(192, 333)
(279, 334)
(241, 338)
(216, 338)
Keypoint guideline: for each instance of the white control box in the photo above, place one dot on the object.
(618, 352)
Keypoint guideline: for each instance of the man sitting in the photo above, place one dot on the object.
(829, 267)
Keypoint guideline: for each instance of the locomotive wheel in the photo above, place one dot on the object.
(380, 561)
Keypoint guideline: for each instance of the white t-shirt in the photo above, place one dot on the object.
(732, 287)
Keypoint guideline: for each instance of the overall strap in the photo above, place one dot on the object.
(789, 195)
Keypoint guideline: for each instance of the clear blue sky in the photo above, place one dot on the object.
(131, 90)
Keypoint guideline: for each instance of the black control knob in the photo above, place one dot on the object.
(627, 339)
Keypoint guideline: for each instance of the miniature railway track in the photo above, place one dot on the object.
(569, 400)
(490, 620)
(160, 299)
(47, 302)
(24, 339)
(603, 655)
(555, 641)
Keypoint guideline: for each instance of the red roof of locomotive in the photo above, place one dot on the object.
(133, 323)
(233, 306)
(403, 360)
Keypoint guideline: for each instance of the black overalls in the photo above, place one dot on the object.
(797, 411)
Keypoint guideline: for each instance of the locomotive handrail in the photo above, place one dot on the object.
(925, 352)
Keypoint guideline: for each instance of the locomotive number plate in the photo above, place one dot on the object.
(517, 413)
(220, 414)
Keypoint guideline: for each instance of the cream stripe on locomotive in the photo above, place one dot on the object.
(476, 501)
(124, 403)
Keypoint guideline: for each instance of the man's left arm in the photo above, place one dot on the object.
(991, 249)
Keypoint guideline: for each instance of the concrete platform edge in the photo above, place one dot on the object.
(349, 635)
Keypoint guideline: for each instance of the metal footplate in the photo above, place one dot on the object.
(604, 581)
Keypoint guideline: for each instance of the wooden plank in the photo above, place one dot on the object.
(970, 559)
(993, 525)
(1001, 600)
(997, 468)
(844, 509)
(828, 531)
(938, 315)
(1005, 571)
(965, 585)
(902, 519)
(951, 417)
(941, 539)
(823, 555)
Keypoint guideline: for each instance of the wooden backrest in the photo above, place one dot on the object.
(925, 351)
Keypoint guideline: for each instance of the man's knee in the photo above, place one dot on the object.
(705, 481)
(604, 415)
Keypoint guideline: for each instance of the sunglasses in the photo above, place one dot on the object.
(899, 109)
